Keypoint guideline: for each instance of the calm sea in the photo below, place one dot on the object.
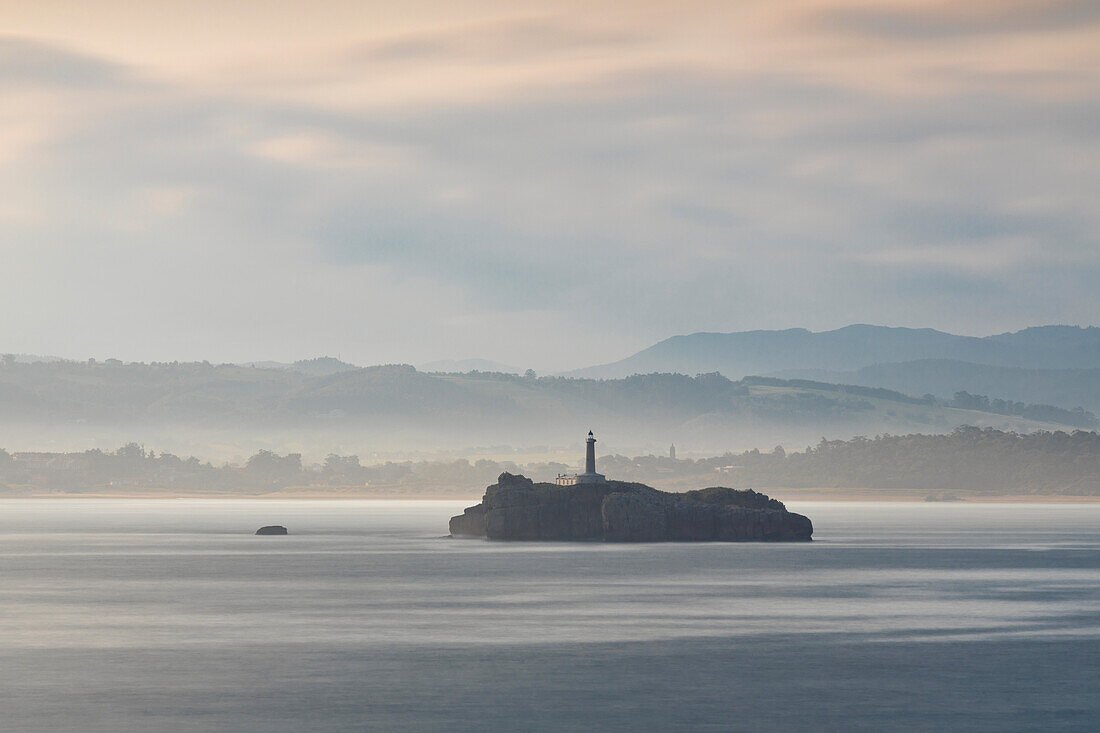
(169, 615)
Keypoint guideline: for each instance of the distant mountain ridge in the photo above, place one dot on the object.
(462, 366)
(319, 367)
(854, 347)
(1067, 388)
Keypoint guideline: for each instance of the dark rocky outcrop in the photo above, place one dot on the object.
(272, 529)
(516, 508)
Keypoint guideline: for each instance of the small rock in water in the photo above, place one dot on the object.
(272, 529)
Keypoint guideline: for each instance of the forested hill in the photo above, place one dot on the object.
(113, 391)
(1063, 387)
(412, 408)
(854, 347)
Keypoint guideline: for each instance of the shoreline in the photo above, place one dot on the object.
(295, 496)
(792, 495)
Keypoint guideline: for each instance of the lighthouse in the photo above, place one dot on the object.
(589, 476)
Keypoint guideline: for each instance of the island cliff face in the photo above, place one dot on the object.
(516, 508)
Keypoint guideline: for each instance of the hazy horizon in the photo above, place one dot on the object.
(471, 362)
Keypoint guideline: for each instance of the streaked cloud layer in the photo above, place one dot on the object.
(544, 184)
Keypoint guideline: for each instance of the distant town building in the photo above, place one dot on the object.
(589, 476)
(672, 451)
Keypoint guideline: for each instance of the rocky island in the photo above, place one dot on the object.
(517, 508)
(272, 529)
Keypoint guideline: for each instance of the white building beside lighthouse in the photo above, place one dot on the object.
(589, 476)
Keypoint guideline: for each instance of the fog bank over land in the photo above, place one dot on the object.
(969, 463)
(321, 406)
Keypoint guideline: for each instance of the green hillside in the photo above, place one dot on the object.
(397, 405)
(854, 347)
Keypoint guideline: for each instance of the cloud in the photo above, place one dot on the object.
(512, 40)
(579, 191)
(938, 20)
(34, 63)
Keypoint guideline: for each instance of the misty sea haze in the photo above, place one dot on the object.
(147, 615)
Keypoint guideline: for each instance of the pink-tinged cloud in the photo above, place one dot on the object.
(235, 182)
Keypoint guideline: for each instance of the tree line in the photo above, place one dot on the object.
(968, 461)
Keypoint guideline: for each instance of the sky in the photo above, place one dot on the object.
(549, 185)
